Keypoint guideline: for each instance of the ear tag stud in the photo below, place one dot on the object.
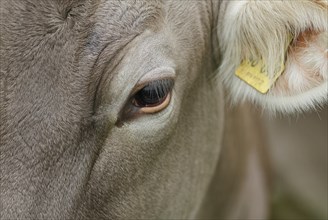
(254, 73)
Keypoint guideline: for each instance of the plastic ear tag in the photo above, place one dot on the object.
(253, 72)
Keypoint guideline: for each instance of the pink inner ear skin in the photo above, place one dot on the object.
(306, 65)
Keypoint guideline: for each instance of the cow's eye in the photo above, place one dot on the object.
(154, 96)
(148, 98)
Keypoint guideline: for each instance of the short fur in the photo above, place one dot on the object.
(67, 71)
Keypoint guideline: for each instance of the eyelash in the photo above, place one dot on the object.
(158, 89)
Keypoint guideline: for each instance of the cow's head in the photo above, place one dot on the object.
(110, 108)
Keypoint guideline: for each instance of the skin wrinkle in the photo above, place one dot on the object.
(105, 76)
(78, 203)
(103, 51)
(105, 58)
(215, 6)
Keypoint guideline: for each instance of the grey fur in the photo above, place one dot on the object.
(67, 67)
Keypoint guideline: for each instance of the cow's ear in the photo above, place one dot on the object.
(274, 53)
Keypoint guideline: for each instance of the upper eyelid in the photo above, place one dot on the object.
(157, 74)
(140, 86)
(153, 75)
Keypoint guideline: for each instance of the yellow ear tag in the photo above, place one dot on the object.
(253, 72)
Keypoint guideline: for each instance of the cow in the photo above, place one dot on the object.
(117, 109)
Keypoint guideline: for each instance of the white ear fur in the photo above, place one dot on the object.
(261, 29)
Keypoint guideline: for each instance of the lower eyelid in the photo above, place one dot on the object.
(155, 109)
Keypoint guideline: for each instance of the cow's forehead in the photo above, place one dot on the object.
(40, 46)
(128, 14)
(113, 21)
(32, 32)
(107, 18)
